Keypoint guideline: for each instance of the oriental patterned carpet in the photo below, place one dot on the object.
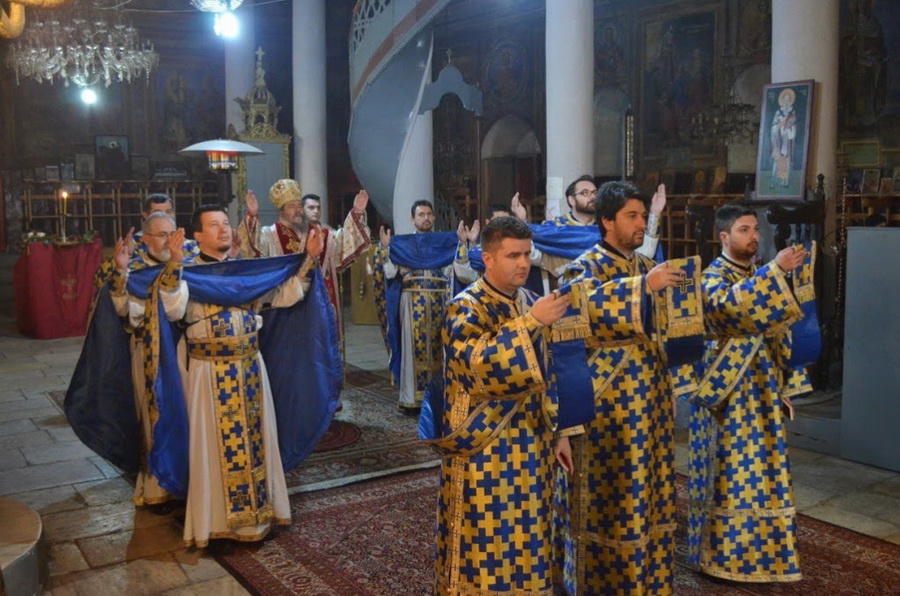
(376, 538)
(387, 440)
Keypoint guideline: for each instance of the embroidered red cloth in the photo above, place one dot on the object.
(54, 287)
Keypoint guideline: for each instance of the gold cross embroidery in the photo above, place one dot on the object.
(685, 283)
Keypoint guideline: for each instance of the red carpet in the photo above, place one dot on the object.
(376, 538)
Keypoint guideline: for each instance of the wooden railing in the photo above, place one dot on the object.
(109, 207)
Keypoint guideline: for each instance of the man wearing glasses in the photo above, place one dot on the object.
(581, 196)
(133, 242)
(162, 244)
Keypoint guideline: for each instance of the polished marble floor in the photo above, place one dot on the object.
(99, 543)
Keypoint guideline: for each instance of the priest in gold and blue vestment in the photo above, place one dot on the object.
(615, 515)
(742, 518)
(411, 282)
(493, 530)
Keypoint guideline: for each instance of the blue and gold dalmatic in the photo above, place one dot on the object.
(493, 531)
(742, 522)
(614, 518)
(231, 347)
(414, 302)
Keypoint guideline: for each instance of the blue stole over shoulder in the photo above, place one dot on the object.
(568, 242)
(298, 344)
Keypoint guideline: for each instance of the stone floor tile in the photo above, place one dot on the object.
(63, 434)
(66, 557)
(106, 491)
(62, 359)
(56, 452)
(829, 476)
(859, 522)
(16, 427)
(107, 469)
(876, 505)
(51, 500)
(25, 439)
(199, 565)
(11, 459)
(128, 545)
(57, 420)
(96, 521)
(889, 486)
(25, 405)
(48, 475)
(41, 384)
(39, 413)
(11, 395)
(153, 575)
(221, 586)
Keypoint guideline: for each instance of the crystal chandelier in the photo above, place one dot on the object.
(83, 44)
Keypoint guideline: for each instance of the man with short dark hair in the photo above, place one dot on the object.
(342, 246)
(619, 533)
(581, 196)
(494, 510)
(134, 244)
(424, 296)
(742, 518)
(237, 488)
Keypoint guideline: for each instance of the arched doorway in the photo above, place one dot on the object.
(510, 162)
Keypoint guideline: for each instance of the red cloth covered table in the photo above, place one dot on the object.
(54, 287)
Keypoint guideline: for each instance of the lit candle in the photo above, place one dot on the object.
(64, 195)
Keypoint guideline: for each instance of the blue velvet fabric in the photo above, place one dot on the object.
(298, 344)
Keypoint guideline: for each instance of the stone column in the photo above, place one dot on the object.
(240, 65)
(805, 45)
(570, 92)
(309, 58)
(415, 175)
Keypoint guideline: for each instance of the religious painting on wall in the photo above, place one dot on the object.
(784, 140)
(610, 63)
(189, 107)
(868, 56)
(678, 66)
(506, 71)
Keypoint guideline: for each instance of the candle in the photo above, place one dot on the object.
(64, 195)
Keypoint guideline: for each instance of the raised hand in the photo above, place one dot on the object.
(518, 209)
(384, 236)
(474, 231)
(549, 309)
(662, 276)
(252, 203)
(462, 231)
(123, 251)
(176, 245)
(658, 202)
(129, 241)
(791, 257)
(360, 201)
(315, 242)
